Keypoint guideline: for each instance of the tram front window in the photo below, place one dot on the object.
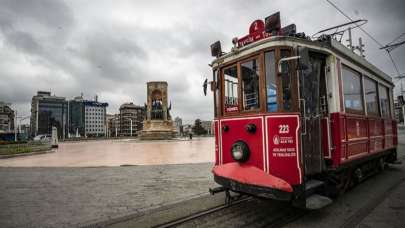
(250, 84)
(286, 85)
(271, 84)
(231, 89)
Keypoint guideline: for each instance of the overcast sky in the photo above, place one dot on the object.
(112, 48)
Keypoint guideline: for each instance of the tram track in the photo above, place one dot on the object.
(197, 215)
(246, 212)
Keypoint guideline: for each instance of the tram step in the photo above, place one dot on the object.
(315, 202)
(312, 185)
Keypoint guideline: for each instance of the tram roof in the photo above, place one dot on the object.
(330, 46)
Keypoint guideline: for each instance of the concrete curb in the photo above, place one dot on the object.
(162, 214)
(26, 154)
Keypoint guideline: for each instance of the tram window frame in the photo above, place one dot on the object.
(217, 94)
(274, 75)
(360, 93)
(223, 93)
(386, 114)
(259, 81)
(376, 101)
(292, 74)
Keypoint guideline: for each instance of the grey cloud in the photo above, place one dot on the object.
(51, 13)
(73, 46)
(111, 57)
(24, 42)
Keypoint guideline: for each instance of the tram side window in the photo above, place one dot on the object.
(231, 89)
(352, 90)
(250, 84)
(271, 84)
(286, 85)
(370, 90)
(384, 101)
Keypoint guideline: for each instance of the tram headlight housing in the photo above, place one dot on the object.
(240, 151)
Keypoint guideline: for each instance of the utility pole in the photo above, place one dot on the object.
(349, 39)
(361, 48)
(15, 126)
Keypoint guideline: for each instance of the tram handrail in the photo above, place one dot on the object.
(304, 117)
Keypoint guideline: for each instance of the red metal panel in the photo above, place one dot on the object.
(337, 131)
(355, 149)
(283, 147)
(389, 139)
(357, 138)
(237, 132)
(375, 127)
(375, 135)
(247, 174)
(356, 127)
(395, 132)
(216, 132)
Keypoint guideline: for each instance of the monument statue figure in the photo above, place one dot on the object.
(158, 123)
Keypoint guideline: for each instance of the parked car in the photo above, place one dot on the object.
(42, 138)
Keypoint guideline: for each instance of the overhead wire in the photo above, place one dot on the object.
(368, 34)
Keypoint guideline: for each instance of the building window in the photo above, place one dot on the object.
(352, 91)
(250, 84)
(271, 85)
(231, 89)
(370, 91)
(384, 101)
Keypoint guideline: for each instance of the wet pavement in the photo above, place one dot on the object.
(119, 153)
(76, 196)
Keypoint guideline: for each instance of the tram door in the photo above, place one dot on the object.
(312, 89)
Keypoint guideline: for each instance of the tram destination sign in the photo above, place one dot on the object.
(259, 30)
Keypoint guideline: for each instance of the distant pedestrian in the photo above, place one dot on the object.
(190, 135)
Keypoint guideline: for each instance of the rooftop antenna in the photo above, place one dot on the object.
(360, 48)
(349, 39)
(338, 31)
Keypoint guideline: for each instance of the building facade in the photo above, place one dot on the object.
(178, 123)
(399, 112)
(76, 117)
(113, 125)
(131, 112)
(6, 118)
(95, 118)
(207, 125)
(48, 111)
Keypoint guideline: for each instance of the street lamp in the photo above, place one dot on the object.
(19, 125)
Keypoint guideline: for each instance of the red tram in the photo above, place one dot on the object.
(298, 119)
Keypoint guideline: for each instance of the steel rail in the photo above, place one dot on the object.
(282, 218)
(200, 214)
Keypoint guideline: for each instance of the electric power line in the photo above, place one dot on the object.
(396, 39)
(393, 62)
(368, 34)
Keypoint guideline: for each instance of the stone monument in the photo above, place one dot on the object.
(158, 123)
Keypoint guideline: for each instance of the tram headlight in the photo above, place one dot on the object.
(240, 151)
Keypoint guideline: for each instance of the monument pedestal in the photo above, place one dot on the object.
(158, 130)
